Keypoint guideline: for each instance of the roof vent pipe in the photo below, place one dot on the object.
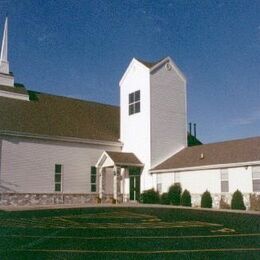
(190, 128)
(195, 131)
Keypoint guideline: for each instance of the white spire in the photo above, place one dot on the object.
(4, 64)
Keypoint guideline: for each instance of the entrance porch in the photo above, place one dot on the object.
(119, 177)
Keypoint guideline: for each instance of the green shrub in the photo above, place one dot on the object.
(150, 196)
(165, 199)
(186, 198)
(206, 200)
(237, 201)
(174, 194)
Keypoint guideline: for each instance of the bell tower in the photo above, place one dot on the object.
(153, 113)
(6, 78)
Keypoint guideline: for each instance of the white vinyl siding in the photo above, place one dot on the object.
(168, 114)
(33, 169)
(256, 178)
(224, 180)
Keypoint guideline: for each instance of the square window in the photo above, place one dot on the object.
(57, 177)
(93, 179)
(159, 187)
(134, 102)
(131, 109)
(93, 170)
(256, 185)
(256, 175)
(137, 96)
(224, 186)
(177, 178)
(57, 187)
(131, 98)
(137, 107)
(93, 188)
(57, 168)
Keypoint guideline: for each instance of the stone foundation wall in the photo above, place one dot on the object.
(27, 199)
(219, 200)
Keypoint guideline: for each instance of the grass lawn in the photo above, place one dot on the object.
(128, 233)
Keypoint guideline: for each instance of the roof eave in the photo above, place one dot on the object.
(59, 138)
(207, 167)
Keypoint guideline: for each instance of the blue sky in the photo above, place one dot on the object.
(81, 49)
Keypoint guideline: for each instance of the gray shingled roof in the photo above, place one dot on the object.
(121, 158)
(236, 151)
(59, 116)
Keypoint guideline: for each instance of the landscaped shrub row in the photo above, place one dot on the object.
(174, 196)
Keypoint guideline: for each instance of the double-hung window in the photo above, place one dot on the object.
(256, 178)
(224, 180)
(93, 179)
(134, 102)
(58, 177)
(177, 178)
(159, 183)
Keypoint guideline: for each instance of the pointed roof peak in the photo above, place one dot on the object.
(150, 64)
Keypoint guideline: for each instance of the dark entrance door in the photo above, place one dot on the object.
(134, 176)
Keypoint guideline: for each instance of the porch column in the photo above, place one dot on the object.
(115, 183)
(123, 183)
(100, 179)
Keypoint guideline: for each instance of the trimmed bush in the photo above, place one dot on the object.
(150, 197)
(206, 200)
(237, 201)
(186, 198)
(165, 199)
(174, 194)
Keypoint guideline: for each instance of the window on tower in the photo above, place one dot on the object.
(134, 102)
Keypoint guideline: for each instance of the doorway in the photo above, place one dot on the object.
(134, 181)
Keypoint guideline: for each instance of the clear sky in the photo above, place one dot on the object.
(81, 48)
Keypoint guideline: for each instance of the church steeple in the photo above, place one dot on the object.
(4, 64)
(6, 78)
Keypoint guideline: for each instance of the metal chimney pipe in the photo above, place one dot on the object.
(190, 128)
(195, 131)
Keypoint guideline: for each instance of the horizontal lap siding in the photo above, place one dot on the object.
(240, 178)
(168, 115)
(28, 165)
(201, 180)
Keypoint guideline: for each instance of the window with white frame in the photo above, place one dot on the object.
(256, 178)
(224, 180)
(177, 178)
(93, 179)
(159, 183)
(134, 102)
(58, 177)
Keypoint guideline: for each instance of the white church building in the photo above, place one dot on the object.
(56, 149)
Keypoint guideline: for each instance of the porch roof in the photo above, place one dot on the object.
(124, 159)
